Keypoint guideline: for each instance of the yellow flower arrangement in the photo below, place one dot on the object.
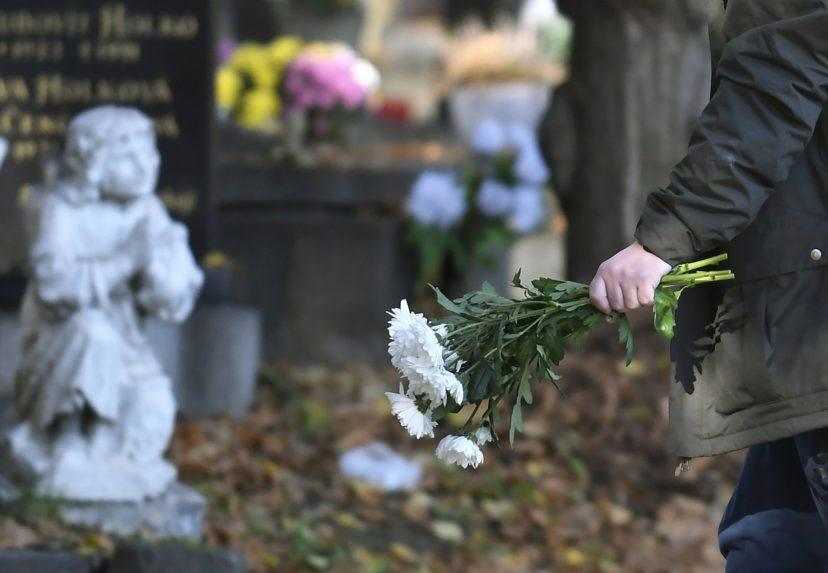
(282, 51)
(248, 84)
(257, 107)
(229, 86)
(253, 60)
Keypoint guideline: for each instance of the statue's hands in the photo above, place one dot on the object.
(138, 247)
(627, 280)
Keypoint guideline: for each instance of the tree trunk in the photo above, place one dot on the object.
(640, 75)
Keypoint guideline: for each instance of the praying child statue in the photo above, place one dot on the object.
(94, 410)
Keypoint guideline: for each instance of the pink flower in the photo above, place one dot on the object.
(325, 81)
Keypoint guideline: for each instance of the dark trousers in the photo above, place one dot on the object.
(777, 519)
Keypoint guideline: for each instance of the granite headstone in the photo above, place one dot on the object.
(62, 56)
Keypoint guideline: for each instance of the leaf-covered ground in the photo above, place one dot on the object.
(589, 487)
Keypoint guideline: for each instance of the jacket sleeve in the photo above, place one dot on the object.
(772, 84)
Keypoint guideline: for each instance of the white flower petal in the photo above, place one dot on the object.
(417, 423)
(483, 436)
(459, 450)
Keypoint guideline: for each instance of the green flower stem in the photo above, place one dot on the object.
(709, 262)
(696, 278)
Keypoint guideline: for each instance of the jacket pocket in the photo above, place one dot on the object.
(783, 240)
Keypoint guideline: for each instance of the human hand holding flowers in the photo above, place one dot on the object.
(628, 280)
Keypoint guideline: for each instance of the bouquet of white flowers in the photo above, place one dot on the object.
(491, 350)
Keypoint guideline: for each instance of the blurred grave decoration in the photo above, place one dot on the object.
(94, 409)
(303, 92)
(467, 221)
(554, 32)
(499, 85)
(378, 465)
(509, 54)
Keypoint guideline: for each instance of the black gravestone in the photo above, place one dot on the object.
(59, 57)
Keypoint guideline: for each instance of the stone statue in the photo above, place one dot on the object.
(95, 412)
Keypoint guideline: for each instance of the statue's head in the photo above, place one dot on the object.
(113, 151)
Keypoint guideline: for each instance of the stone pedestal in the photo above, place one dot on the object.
(179, 512)
(10, 338)
(139, 557)
(213, 359)
(222, 355)
(26, 561)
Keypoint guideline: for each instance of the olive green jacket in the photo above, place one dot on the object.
(751, 359)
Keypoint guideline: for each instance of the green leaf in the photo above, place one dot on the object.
(545, 285)
(482, 382)
(516, 279)
(554, 345)
(664, 312)
(447, 303)
(625, 335)
(525, 388)
(516, 423)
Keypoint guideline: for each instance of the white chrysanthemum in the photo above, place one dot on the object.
(459, 450)
(437, 200)
(530, 210)
(418, 424)
(488, 137)
(494, 199)
(412, 339)
(435, 383)
(440, 330)
(482, 436)
(418, 355)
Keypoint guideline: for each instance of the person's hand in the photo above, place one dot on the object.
(627, 280)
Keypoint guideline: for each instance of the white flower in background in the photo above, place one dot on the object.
(436, 199)
(519, 137)
(460, 451)
(530, 167)
(488, 137)
(418, 424)
(494, 199)
(529, 211)
(482, 436)
(535, 13)
(366, 75)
